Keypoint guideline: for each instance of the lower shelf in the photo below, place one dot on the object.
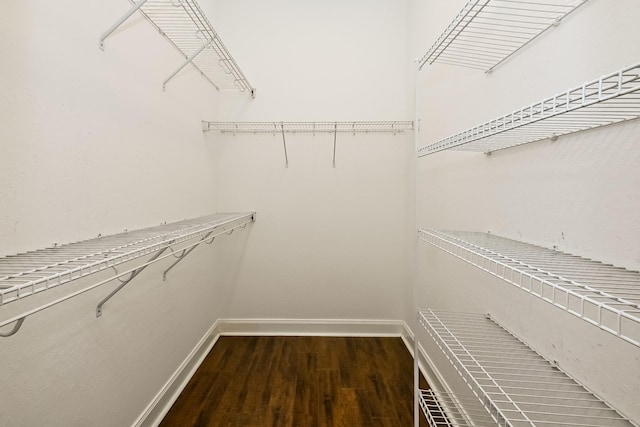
(515, 385)
(447, 409)
(601, 294)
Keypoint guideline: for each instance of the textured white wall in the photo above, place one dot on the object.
(90, 144)
(579, 193)
(328, 242)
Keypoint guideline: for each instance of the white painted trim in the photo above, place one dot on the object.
(168, 394)
(311, 327)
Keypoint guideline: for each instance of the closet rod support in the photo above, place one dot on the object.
(188, 61)
(335, 135)
(15, 328)
(184, 255)
(120, 21)
(123, 284)
(284, 143)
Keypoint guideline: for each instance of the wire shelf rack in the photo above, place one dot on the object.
(185, 26)
(602, 294)
(30, 273)
(487, 32)
(515, 384)
(443, 409)
(307, 127)
(610, 99)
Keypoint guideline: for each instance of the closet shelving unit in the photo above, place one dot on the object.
(185, 26)
(514, 384)
(283, 128)
(30, 273)
(610, 99)
(308, 127)
(601, 294)
(487, 32)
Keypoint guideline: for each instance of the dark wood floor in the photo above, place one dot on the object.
(299, 382)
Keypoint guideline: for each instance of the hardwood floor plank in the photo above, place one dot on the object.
(299, 382)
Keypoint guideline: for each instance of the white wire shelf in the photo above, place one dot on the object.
(516, 385)
(601, 294)
(30, 273)
(308, 127)
(610, 99)
(186, 27)
(448, 410)
(487, 32)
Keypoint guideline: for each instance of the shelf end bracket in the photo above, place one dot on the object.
(15, 329)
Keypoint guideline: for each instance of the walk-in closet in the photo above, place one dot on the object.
(315, 213)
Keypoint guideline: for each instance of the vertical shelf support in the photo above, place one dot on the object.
(284, 143)
(335, 135)
(120, 21)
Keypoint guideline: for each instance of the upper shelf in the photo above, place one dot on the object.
(186, 27)
(609, 99)
(307, 127)
(487, 32)
(29, 273)
(601, 294)
(516, 386)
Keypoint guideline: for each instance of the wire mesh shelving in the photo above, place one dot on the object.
(308, 127)
(31, 273)
(186, 27)
(487, 32)
(601, 294)
(515, 385)
(443, 409)
(610, 99)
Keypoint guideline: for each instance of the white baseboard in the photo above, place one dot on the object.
(311, 327)
(165, 398)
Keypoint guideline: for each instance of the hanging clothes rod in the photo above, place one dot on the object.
(35, 272)
(308, 127)
(487, 32)
(185, 26)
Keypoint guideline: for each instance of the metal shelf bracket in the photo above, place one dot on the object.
(125, 282)
(120, 21)
(185, 253)
(188, 61)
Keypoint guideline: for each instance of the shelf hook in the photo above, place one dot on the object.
(16, 328)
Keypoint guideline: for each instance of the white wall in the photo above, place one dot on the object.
(579, 193)
(90, 144)
(328, 243)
